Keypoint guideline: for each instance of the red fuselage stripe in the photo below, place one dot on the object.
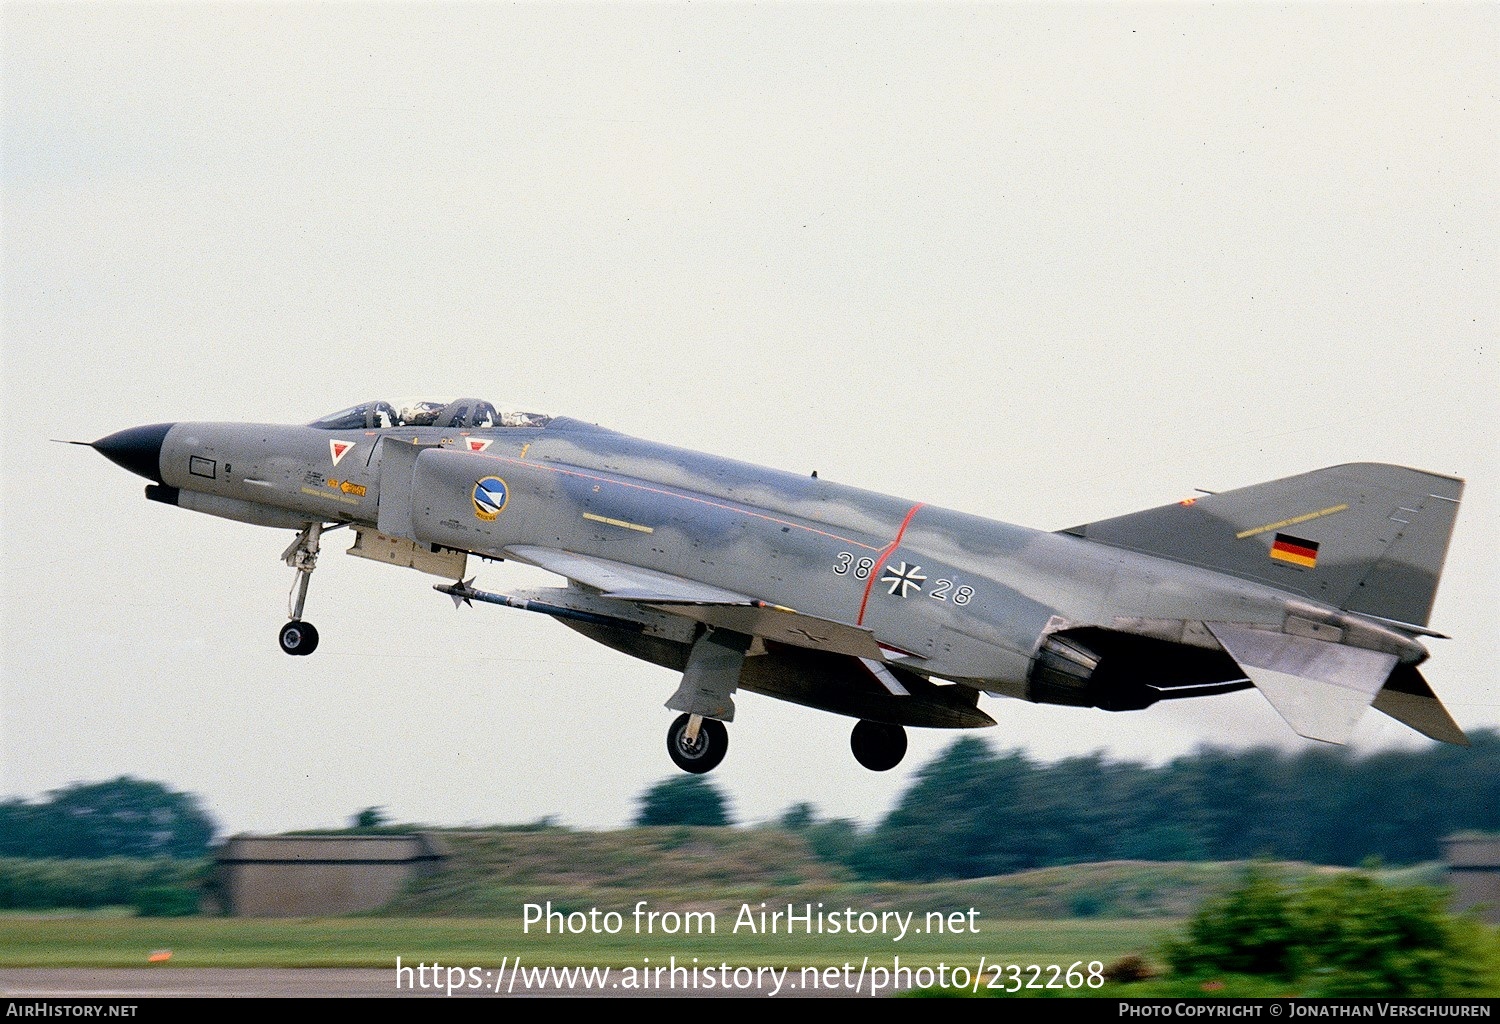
(875, 569)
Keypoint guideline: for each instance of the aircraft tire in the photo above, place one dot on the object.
(705, 755)
(878, 746)
(299, 638)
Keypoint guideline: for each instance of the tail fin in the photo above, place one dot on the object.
(1365, 537)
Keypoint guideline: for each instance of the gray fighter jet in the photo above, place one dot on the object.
(1315, 588)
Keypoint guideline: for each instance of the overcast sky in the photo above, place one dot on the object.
(1043, 263)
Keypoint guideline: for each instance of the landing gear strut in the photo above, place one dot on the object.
(878, 746)
(298, 637)
(697, 744)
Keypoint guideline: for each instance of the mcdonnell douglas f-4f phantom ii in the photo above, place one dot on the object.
(1313, 589)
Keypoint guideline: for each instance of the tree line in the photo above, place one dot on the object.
(973, 811)
(124, 817)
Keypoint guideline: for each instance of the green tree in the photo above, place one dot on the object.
(1248, 930)
(836, 840)
(125, 817)
(798, 817)
(1376, 940)
(1343, 936)
(970, 814)
(683, 800)
(973, 812)
(370, 817)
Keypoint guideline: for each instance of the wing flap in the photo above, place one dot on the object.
(1322, 689)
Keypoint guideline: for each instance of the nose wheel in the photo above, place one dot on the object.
(298, 637)
(878, 746)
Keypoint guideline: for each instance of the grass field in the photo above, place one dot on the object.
(111, 940)
(470, 915)
(116, 939)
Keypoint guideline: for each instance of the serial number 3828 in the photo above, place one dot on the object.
(903, 579)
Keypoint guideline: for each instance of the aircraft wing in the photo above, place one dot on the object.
(713, 606)
(625, 582)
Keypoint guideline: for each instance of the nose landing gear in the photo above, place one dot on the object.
(298, 637)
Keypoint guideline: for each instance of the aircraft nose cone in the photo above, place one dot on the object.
(137, 449)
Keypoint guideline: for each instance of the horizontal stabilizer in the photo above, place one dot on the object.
(1409, 700)
(1322, 689)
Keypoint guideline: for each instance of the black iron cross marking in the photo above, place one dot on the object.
(903, 578)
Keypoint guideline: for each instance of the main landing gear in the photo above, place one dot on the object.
(697, 744)
(298, 637)
(878, 746)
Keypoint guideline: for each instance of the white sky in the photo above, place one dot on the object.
(1044, 263)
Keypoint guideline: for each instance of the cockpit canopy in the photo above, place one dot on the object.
(472, 413)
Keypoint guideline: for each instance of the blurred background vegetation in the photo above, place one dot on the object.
(1003, 821)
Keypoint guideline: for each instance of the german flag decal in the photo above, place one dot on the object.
(1286, 548)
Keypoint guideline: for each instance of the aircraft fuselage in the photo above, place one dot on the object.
(920, 596)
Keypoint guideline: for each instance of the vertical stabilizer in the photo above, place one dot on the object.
(1365, 537)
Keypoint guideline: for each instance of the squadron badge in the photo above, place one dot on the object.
(490, 496)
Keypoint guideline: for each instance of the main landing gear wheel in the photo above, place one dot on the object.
(877, 746)
(703, 753)
(298, 637)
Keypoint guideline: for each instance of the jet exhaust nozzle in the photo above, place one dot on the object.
(137, 449)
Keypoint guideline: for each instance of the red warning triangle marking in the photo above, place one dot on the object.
(338, 449)
(476, 444)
